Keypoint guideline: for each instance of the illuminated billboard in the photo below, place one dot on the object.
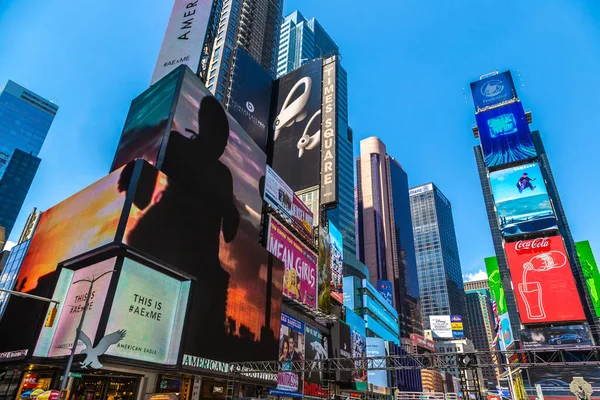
(337, 264)
(300, 276)
(249, 99)
(316, 349)
(457, 327)
(441, 327)
(324, 270)
(291, 348)
(522, 202)
(385, 290)
(376, 348)
(505, 135)
(297, 126)
(505, 336)
(184, 39)
(556, 336)
(329, 195)
(493, 90)
(283, 199)
(358, 339)
(590, 272)
(420, 341)
(544, 285)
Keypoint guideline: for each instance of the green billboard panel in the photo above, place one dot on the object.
(590, 272)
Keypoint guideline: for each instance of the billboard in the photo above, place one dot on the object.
(150, 307)
(385, 290)
(324, 270)
(297, 126)
(282, 198)
(505, 335)
(590, 272)
(505, 135)
(458, 331)
(522, 202)
(317, 349)
(184, 38)
(493, 90)
(291, 348)
(250, 97)
(441, 327)
(300, 275)
(556, 336)
(420, 341)
(543, 281)
(329, 133)
(358, 339)
(376, 348)
(337, 264)
(97, 210)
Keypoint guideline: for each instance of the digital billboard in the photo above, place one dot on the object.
(316, 349)
(329, 195)
(385, 290)
(282, 198)
(420, 341)
(544, 285)
(342, 348)
(184, 38)
(291, 348)
(556, 336)
(324, 269)
(441, 327)
(376, 348)
(300, 276)
(297, 126)
(522, 202)
(207, 206)
(83, 222)
(250, 97)
(590, 272)
(337, 264)
(505, 335)
(150, 307)
(505, 135)
(457, 327)
(493, 90)
(358, 339)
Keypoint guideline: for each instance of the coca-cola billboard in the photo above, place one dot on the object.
(543, 281)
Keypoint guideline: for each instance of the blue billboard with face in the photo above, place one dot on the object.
(505, 135)
(493, 90)
(522, 202)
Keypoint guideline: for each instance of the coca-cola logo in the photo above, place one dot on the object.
(539, 243)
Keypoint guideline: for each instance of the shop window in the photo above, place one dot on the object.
(35, 381)
(9, 383)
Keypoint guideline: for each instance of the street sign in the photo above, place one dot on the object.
(75, 374)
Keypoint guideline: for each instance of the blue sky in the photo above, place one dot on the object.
(409, 64)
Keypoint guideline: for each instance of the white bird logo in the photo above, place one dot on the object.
(92, 353)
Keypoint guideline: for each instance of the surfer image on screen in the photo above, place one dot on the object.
(525, 183)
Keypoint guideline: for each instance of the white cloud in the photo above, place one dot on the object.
(477, 276)
(9, 245)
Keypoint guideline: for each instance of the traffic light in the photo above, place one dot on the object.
(51, 317)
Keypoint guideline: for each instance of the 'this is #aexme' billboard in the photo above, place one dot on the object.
(544, 284)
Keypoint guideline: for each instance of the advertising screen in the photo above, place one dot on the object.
(282, 198)
(555, 381)
(337, 264)
(250, 97)
(385, 289)
(590, 272)
(317, 349)
(291, 348)
(556, 336)
(441, 327)
(457, 327)
(358, 339)
(420, 341)
(97, 210)
(324, 269)
(376, 348)
(150, 307)
(297, 127)
(58, 340)
(522, 202)
(493, 90)
(543, 282)
(505, 336)
(329, 195)
(300, 276)
(184, 38)
(505, 135)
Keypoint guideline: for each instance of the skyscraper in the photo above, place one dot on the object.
(302, 40)
(438, 262)
(25, 119)
(386, 243)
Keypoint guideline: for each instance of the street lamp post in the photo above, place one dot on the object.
(91, 281)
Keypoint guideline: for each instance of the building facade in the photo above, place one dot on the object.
(25, 119)
(385, 240)
(477, 285)
(302, 40)
(438, 262)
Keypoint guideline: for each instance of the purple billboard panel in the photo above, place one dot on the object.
(300, 276)
(291, 348)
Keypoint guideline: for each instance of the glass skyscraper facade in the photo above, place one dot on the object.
(25, 119)
(302, 40)
(8, 277)
(438, 262)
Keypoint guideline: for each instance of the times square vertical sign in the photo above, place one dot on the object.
(329, 134)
